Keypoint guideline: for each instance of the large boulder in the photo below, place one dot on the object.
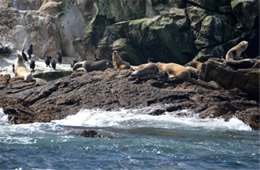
(246, 12)
(164, 38)
(19, 29)
(246, 80)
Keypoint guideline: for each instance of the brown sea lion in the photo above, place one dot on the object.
(235, 52)
(172, 69)
(243, 64)
(194, 68)
(21, 70)
(118, 62)
(93, 65)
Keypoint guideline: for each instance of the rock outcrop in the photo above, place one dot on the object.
(48, 25)
(176, 31)
(27, 102)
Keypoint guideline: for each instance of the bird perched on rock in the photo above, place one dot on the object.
(24, 56)
(73, 63)
(30, 51)
(48, 61)
(32, 65)
(53, 64)
(13, 68)
(59, 58)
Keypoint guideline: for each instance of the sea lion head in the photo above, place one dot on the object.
(243, 45)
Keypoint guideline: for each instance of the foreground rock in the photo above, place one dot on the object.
(27, 102)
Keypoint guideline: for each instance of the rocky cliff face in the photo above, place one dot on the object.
(166, 30)
(50, 25)
(170, 30)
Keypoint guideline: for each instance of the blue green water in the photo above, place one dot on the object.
(139, 141)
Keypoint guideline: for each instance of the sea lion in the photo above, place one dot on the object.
(21, 70)
(118, 62)
(242, 64)
(194, 68)
(235, 52)
(172, 69)
(144, 69)
(93, 65)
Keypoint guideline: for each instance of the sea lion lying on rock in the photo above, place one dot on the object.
(118, 62)
(235, 52)
(173, 70)
(21, 70)
(244, 63)
(93, 65)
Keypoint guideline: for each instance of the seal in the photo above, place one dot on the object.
(118, 62)
(235, 52)
(21, 70)
(173, 70)
(93, 65)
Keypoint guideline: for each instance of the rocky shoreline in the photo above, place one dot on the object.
(28, 102)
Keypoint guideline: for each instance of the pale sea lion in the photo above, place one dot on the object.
(144, 69)
(172, 69)
(235, 52)
(21, 70)
(118, 62)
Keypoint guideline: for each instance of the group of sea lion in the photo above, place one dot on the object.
(173, 70)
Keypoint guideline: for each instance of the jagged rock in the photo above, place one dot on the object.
(246, 12)
(111, 89)
(246, 80)
(91, 134)
(24, 4)
(53, 75)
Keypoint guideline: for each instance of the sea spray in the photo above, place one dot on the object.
(133, 118)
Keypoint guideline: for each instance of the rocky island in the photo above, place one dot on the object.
(168, 31)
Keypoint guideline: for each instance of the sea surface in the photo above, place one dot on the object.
(135, 140)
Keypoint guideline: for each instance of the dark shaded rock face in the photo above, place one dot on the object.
(27, 102)
(170, 30)
(229, 77)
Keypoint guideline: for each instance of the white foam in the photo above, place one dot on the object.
(139, 118)
(3, 117)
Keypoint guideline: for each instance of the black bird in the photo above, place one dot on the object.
(30, 51)
(32, 65)
(53, 64)
(48, 61)
(72, 64)
(13, 68)
(24, 56)
(59, 58)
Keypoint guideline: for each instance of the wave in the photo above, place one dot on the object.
(132, 118)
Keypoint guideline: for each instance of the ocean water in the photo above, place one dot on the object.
(136, 141)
